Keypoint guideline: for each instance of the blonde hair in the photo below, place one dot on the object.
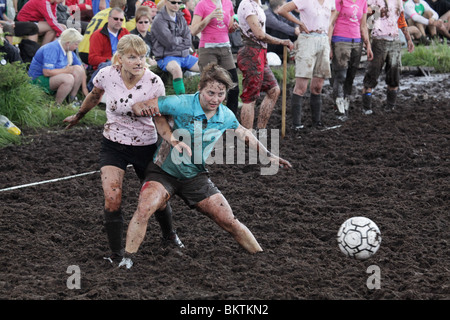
(129, 43)
(70, 35)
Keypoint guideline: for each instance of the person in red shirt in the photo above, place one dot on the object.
(103, 42)
(43, 12)
(85, 9)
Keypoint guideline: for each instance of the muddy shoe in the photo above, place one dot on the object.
(126, 262)
(343, 117)
(298, 128)
(367, 111)
(172, 239)
(319, 126)
(114, 258)
(389, 109)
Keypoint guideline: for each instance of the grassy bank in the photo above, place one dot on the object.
(436, 55)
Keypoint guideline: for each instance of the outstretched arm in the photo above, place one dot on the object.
(91, 100)
(247, 136)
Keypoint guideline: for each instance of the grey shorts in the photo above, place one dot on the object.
(192, 190)
(222, 56)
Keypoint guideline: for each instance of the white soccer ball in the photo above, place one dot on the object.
(359, 238)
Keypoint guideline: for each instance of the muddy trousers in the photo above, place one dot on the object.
(340, 90)
(114, 226)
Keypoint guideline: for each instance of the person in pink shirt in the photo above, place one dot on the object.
(386, 48)
(214, 20)
(348, 32)
(127, 139)
(312, 60)
(43, 12)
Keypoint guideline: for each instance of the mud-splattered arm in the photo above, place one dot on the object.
(164, 130)
(92, 99)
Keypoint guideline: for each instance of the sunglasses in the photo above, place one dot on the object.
(146, 22)
(175, 2)
(117, 19)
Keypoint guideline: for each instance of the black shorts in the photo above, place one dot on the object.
(120, 155)
(192, 190)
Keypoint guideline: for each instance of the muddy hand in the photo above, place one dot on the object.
(180, 146)
(72, 120)
(142, 110)
(281, 162)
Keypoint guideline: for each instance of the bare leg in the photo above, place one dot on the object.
(62, 84)
(266, 108)
(248, 115)
(153, 196)
(47, 31)
(217, 208)
(78, 75)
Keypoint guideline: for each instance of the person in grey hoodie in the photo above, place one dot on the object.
(171, 42)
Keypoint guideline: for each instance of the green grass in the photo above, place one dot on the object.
(436, 55)
(29, 107)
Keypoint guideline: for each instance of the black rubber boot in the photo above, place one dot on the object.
(296, 110)
(164, 218)
(316, 110)
(367, 103)
(114, 231)
(391, 98)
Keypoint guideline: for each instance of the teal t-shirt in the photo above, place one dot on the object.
(193, 128)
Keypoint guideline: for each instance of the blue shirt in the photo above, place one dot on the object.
(96, 4)
(194, 129)
(50, 56)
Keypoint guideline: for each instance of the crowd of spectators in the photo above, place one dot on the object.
(166, 27)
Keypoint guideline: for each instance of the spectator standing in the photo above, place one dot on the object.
(386, 48)
(312, 60)
(252, 61)
(348, 32)
(214, 20)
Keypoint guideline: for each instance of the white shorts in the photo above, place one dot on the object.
(313, 56)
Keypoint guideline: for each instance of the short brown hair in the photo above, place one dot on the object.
(214, 72)
(143, 11)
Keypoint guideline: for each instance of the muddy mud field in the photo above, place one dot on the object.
(390, 167)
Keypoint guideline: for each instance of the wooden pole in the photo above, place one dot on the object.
(283, 94)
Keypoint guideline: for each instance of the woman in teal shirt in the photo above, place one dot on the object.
(202, 119)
